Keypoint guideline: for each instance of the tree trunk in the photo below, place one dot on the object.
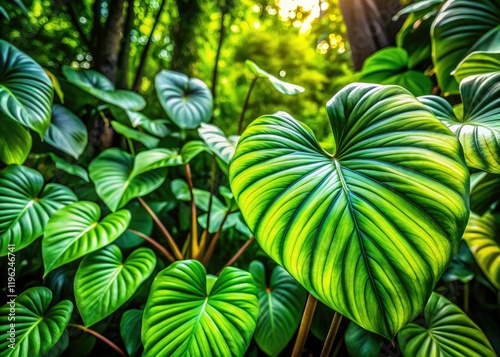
(108, 48)
(124, 57)
(370, 26)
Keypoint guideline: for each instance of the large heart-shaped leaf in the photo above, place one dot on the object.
(66, 132)
(477, 122)
(362, 343)
(449, 332)
(458, 30)
(76, 230)
(190, 313)
(369, 229)
(37, 328)
(26, 205)
(481, 237)
(281, 86)
(477, 63)
(391, 66)
(130, 330)
(26, 92)
(119, 177)
(104, 282)
(101, 88)
(187, 101)
(15, 141)
(281, 305)
(218, 142)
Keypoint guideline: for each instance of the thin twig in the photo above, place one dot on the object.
(163, 229)
(305, 324)
(154, 243)
(213, 243)
(131, 146)
(195, 248)
(245, 105)
(330, 338)
(100, 337)
(238, 254)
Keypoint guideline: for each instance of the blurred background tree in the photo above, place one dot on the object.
(130, 41)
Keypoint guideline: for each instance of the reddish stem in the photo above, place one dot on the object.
(100, 337)
(238, 253)
(154, 243)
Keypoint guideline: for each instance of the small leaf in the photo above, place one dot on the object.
(281, 86)
(183, 316)
(37, 328)
(192, 149)
(147, 140)
(71, 169)
(361, 343)
(130, 330)
(477, 63)
(76, 230)
(66, 132)
(101, 88)
(475, 123)
(481, 237)
(25, 205)
(15, 141)
(218, 142)
(449, 332)
(26, 91)
(187, 101)
(104, 282)
(281, 306)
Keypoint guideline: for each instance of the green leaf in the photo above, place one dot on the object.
(369, 229)
(217, 142)
(281, 306)
(449, 332)
(459, 27)
(15, 141)
(192, 149)
(477, 63)
(128, 117)
(66, 132)
(118, 177)
(141, 221)
(415, 38)
(485, 192)
(26, 92)
(71, 169)
(130, 330)
(419, 6)
(101, 88)
(147, 140)
(281, 86)
(391, 66)
(37, 328)
(187, 101)
(183, 316)
(76, 230)
(481, 237)
(463, 266)
(104, 282)
(26, 205)
(475, 124)
(361, 343)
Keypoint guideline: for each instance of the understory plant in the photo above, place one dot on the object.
(180, 239)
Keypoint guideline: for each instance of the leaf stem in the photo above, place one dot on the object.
(213, 172)
(163, 229)
(245, 104)
(195, 247)
(100, 337)
(305, 324)
(153, 243)
(330, 338)
(131, 146)
(238, 253)
(213, 243)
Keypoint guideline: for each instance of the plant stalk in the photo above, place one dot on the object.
(245, 104)
(100, 337)
(238, 253)
(305, 324)
(213, 243)
(153, 243)
(163, 229)
(195, 247)
(131, 146)
(330, 338)
(213, 172)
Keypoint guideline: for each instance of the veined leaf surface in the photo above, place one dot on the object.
(369, 229)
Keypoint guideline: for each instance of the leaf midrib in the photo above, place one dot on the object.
(346, 191)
